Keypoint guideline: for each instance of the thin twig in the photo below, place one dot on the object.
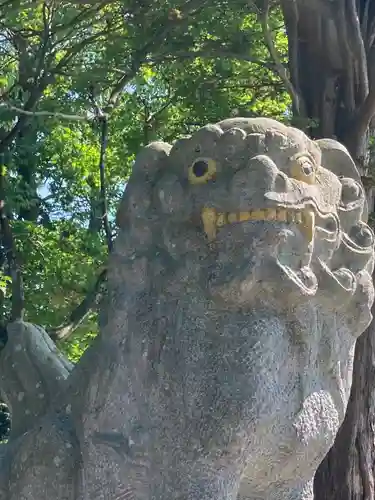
(359, 48)
(357, 128)
(103, 121)
(209, 53)
(103, 193)
(161, 30)
(170, 100)
(18, 302)
(281, 71)
(51, 114)
(40, 57)
(36, 94)
(81, 311)
(92, 298)
(84, 15)
(291, 16)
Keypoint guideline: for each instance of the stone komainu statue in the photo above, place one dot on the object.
(239, 282)
(248, 257)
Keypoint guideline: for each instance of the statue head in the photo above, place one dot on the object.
(245, 260)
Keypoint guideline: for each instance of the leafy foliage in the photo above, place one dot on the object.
(5, 422)
(157, 71)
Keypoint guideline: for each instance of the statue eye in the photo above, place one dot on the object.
(307, 168)
(202, 170)
(303, 169)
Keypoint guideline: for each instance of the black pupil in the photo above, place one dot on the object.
(200, 168)
(307, 169)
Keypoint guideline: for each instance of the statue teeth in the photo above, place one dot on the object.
(281, 214)
(212, 219)
(232, 217)
(209, 219)
(308, 224)
(298, 217)
(290, 216)
(222, 219)
(257, 215)
(270, 214)
(244, 216)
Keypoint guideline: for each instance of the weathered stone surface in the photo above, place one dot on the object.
(239, 282)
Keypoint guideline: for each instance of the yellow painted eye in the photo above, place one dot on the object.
(202, 170)
(303, 169)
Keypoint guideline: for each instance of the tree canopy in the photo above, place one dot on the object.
(85, 80)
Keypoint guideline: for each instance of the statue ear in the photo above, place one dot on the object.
(151, 159)
(336, 158)
(137, 194)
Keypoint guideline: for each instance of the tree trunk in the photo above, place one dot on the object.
(332, 67)
(348, 471)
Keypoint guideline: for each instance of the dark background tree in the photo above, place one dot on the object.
(332, 74)
(153, 71)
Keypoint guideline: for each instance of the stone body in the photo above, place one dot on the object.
(239, 282)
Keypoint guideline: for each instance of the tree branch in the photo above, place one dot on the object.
(103, 122)
(18, 305)
(280, 69)
(211, 53)
(160, 33)
(103, 190)
(85, 15)
(359, 49)
(42, 80)
(170, 100)
(291, 10)
(41, 57)
(81, 312)
(22, 120)
(51, 114)
(356, 130)
(76, 49)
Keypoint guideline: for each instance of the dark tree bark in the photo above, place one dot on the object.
(332, 69)
(331, 54)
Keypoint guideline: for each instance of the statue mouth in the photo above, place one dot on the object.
(214, 220)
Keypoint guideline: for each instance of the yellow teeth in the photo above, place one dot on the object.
(308, 224)
(256, 215)
(221, 220)
(243, 216)
(281, 214)
(298, 217)
(212, 219)
(270, 214)
(209, 218)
